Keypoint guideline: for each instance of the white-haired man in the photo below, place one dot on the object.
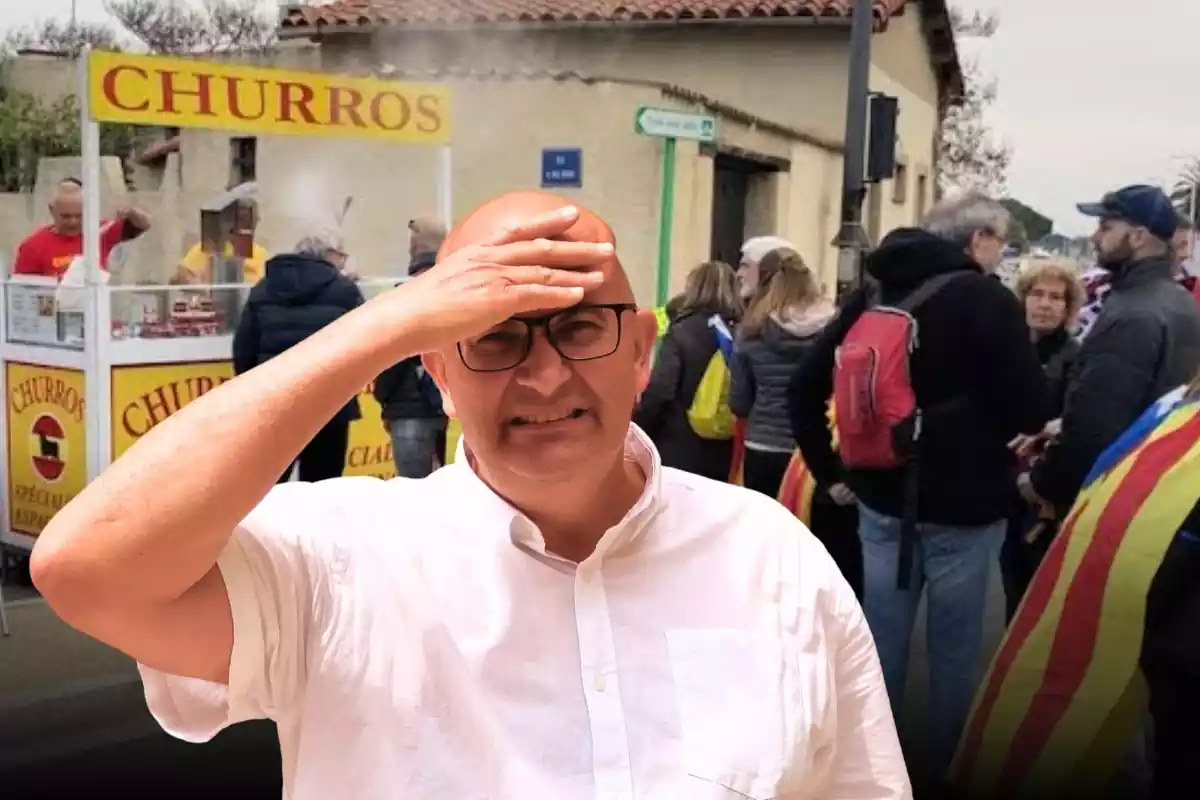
(301, 293)
(978, 385)
(753, 252)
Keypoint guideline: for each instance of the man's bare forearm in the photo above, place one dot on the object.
(154, 523)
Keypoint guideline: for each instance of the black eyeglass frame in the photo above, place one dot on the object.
(543, 322)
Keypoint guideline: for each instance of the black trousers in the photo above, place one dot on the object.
(325, 456)
(763, 471)
(837, 528)
(1019, 559)
(1175, 709)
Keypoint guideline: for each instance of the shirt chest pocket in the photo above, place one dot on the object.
(748, 721)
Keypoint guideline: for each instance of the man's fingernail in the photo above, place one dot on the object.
(568, 212)
(605, 247)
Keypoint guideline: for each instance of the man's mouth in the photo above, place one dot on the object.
(548, 418)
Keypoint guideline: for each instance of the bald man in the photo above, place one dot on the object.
(49, 250)
(553, 616)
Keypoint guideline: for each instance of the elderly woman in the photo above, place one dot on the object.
(302, 292)
(1051, 295)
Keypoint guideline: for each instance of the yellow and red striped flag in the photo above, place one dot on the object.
(1063, 697)
(796, 489)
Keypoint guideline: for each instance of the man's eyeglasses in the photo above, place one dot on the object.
(579, 333)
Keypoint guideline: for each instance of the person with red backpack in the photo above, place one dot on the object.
(933, 373)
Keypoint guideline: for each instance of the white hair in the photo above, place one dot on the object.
(754, 250)
(958, 218)
(321, 240)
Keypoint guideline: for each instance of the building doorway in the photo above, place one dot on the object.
(743, 204)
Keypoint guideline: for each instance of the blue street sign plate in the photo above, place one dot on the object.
(562, 166)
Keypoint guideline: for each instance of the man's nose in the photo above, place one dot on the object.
(544, 370)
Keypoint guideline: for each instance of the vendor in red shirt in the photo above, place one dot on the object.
(50, 250)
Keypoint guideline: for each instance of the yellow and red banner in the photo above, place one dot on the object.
(186, 93)
(145, 395)
(369, 445)
(1063, 697)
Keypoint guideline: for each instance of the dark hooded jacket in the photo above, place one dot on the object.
(683, 356)
(763, 366)
(300, 295)
(975, 373)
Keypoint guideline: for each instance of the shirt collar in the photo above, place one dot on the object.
(492, 511)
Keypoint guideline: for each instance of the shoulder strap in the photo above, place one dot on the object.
(928, 289)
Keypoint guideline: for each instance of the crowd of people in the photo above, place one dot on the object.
(1016, 395)
(585, 606)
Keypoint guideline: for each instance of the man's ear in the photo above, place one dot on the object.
(435, 365)
(644, 333)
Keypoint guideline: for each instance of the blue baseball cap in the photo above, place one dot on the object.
(1145, 206)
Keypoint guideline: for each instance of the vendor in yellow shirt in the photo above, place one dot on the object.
(196, 266)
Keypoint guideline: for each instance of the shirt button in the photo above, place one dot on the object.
(600, 683)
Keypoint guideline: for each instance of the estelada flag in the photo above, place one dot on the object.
(738, 459)
(796, 489)
(1064, 697)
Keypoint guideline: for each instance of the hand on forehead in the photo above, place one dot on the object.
(484, 223)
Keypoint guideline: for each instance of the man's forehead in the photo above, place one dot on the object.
(482, 224)
(485, 222)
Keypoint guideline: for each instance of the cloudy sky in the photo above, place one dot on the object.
(1093, 95)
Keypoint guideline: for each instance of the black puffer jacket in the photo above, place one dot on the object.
(299, 295)
(763, 366)
(684, 355)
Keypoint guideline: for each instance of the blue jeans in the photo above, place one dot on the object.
(954, 565)
(414, 445)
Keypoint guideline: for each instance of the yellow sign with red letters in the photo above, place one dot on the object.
(186, 93)
(47, 442)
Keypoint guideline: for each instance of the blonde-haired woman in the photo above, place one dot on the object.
(1051, 294)
(683, 356)
(785, 314)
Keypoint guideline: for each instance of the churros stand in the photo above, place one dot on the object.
(89, 370)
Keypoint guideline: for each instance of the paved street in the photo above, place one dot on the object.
(74, 716)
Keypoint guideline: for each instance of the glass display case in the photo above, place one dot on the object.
(175, 312)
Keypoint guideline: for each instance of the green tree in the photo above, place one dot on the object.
(32, 129)
(1035, 226)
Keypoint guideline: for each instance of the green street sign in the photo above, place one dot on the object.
(670, 124)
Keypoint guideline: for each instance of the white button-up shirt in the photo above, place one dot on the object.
(414, 639)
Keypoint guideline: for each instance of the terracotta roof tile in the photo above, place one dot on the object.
(355, 13)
